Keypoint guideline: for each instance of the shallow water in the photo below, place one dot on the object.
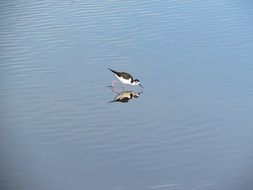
(190, 128)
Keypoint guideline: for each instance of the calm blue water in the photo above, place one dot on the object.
(190, 128)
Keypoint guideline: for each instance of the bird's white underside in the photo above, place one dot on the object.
(124, 81)
(123, 95)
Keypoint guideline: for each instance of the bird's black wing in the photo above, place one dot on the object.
(115, 72)
(126, 76)
(122, 74)
(123, 100)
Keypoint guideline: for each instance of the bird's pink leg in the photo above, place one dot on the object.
(113, 83)
(114, 91)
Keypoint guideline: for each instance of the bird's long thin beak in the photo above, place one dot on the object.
(141, 85)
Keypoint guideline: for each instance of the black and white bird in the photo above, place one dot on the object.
(125, 78)
(125, 96)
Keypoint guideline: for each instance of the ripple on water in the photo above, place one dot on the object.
(194, 58)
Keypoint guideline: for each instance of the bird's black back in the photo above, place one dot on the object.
(122, 74)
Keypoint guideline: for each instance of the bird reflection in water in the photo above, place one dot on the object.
(125, 96)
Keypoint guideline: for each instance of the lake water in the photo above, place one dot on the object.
(189, 129)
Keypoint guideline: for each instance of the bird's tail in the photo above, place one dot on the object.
(115, 72)
(112, 101)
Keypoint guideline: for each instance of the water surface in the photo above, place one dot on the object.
(190, 128)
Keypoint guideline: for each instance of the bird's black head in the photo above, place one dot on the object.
(137, 82)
